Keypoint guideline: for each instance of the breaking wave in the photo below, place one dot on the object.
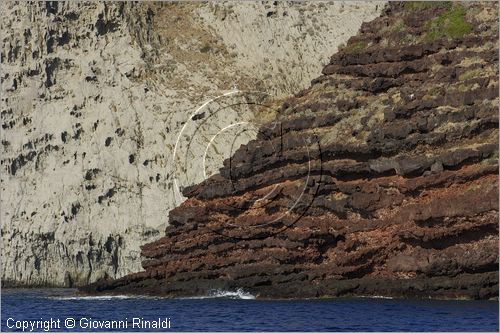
(238, 294)
(376, 297)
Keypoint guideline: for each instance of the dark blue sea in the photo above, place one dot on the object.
(60, 310)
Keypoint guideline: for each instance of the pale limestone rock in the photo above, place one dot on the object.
(94, 96)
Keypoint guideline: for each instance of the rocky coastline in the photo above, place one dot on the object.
(93, 96)
(379, 179)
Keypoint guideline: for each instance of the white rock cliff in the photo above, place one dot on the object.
(94, 96)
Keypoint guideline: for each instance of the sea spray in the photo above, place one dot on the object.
(217, 293)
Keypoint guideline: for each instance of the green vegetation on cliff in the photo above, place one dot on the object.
(450, 24)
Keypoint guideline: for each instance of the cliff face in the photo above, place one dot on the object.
(379, 179)
(94, 95)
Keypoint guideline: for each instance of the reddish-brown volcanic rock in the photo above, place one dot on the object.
(380, 179)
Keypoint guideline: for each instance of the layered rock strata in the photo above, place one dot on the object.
(379, 179)
(93, 97)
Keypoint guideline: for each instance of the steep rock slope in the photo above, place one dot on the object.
(379, 179)
(94, 95)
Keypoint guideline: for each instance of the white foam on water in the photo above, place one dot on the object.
(238, 294)
(92, 298)
(377, 296)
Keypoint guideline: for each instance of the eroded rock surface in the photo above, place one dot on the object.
(379, 179)
(93, 97)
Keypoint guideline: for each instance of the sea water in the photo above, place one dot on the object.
(63, 310)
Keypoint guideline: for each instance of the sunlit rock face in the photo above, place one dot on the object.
(94, 96)
(381, 178)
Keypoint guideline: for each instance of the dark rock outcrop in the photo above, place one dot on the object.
(380, 179)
